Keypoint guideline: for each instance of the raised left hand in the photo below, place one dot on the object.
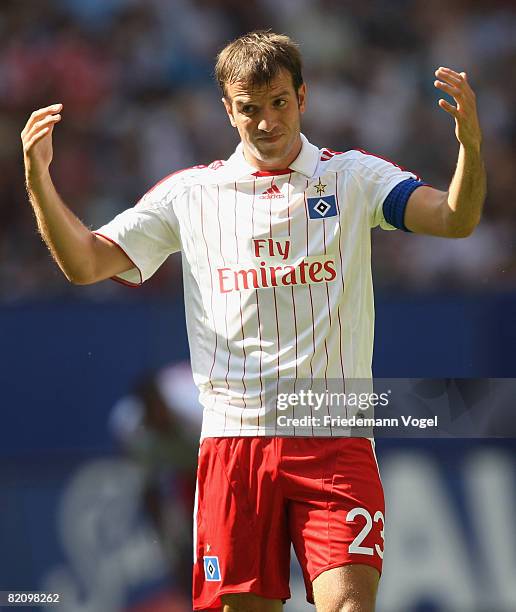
(467, 126)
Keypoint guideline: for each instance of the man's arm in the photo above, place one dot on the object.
(455, 213)
(83, 257)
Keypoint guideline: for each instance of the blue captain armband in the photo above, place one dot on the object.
(395, 203)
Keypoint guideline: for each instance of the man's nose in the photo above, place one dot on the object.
(267, 121)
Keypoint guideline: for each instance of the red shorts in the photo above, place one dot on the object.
(256, 496)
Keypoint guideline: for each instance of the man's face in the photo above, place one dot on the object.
(268, 120)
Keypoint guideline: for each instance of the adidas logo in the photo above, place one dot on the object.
(272, 193)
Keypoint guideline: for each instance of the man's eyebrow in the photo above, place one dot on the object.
(285, 92)
(245, 99)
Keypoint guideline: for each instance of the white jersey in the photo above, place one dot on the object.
(277, 275)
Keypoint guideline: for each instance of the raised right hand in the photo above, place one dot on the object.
(37, 140)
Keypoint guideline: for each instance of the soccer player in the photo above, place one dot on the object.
(275, 244)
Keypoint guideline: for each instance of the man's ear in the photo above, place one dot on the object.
(229, 110)
(301, 97)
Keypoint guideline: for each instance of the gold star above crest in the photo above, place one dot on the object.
(320, 187)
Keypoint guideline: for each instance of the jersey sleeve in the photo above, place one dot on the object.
(147, 233)
(387, 189)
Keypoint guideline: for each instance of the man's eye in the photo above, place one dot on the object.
(248, 109)
(280, 103)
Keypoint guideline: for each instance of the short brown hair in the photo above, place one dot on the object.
(256, 58)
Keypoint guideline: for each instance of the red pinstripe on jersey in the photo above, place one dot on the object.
(342, 278)
(276, 315)
(226, 315)
(311, 303)
(241, 316)
(288, 196)
(258, 311)
(310, 291)
(329, 319)
(293, 299)
(211, 288)
(196, 256)
(273, 187)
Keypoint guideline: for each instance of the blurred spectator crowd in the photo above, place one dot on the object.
(135, 78)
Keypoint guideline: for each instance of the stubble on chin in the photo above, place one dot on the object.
(271, 154)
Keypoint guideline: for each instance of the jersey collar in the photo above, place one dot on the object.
(307, 160)
(305, 163)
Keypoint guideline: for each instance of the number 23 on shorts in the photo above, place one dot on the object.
(356, 546)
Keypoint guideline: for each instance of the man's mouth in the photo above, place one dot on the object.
(271, 138)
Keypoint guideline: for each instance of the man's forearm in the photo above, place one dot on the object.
(83, 257)
(68, 239)
(462, 206)
(467, 192)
